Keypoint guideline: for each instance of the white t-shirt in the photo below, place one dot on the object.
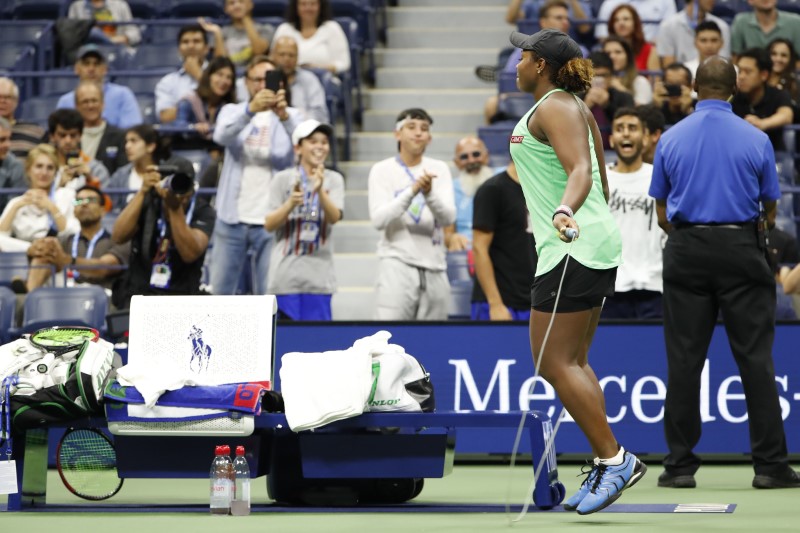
(642, 238)
(253, 199)
(328, 45)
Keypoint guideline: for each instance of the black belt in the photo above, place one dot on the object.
(720, 225)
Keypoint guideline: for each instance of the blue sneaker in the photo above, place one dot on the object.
(590, 471)
(609, 482)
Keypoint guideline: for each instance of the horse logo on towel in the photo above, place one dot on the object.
(201, 352)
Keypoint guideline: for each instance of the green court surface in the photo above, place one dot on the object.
(756, 510)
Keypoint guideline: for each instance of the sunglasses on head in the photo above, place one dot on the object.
(463, 157)
(84, 201)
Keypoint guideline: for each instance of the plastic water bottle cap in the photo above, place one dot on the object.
(219, 450)
(240, 450)
(226, 449)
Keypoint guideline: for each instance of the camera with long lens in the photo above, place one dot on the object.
(175, 180)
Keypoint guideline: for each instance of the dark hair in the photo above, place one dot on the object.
(792, 52)
(574, 76)
(652, 117)
(192, 28)
(414, 113)
(601, 60)
(787, 79)
(637, 37)
(630, 72)
(682, 68)
(293, 18)
(204, 86)
(150, 136)
(544, 11)
(761, 57)
(707, 25)
(96, 191)
(69, 119)
(627, 112)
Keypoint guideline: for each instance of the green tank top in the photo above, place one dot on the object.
(543, 181)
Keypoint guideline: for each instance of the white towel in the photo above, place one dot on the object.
(152, 384)
(320, 388)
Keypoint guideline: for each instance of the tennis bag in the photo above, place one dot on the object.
(80, 394)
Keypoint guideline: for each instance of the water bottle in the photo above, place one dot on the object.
(241, 495)
(222, 481)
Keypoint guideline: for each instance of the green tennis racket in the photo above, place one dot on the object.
(62, 339)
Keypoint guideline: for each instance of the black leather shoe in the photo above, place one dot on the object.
(786, 480)
(677, 482)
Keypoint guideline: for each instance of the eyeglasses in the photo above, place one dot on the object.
(476, 154)
(7, 97)
(256, 80)
(85, 201)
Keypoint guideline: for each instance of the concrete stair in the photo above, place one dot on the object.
(432, 49)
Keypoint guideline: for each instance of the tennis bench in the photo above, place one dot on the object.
(372, 445)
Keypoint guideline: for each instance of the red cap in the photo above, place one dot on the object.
(219, 450)
(226, 449)
(240, 450)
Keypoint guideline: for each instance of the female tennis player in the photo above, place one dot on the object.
(559, 157)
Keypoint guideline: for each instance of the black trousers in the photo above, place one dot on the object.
(708, 270)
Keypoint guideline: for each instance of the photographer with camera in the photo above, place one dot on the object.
(168, 227)
(257, 140)
(673, 95)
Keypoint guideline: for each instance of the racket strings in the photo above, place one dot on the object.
(88, 466)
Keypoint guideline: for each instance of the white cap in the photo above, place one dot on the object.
(307, 128)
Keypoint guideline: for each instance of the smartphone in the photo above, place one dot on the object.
(73, 158)
(673, 89)
(274, 79)
(599, 82)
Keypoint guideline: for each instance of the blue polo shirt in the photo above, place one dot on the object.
(120, 107)
(712, 167)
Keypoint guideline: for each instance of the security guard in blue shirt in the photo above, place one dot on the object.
(711, 172)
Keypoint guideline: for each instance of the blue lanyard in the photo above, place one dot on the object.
(310, 198)
(8, 382)
(405, 167)
(162, 224)
(90, 247)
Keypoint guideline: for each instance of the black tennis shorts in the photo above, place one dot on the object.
(584, 288)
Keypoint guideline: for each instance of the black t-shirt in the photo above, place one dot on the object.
(499, 208)
(185, 277)
(783, 247)
(772, 100)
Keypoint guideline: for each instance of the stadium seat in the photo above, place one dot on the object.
(460, 295)
(270, 8)
(195, 8)
(144, 83)
(22, 32)
(333, 96)
(727, 9)
(792, 6)
(496, 139)
(163, 34)
(13, 265)
(507, 82)
(8, 305)
(17, 56)
(39, 9)
(147, 103)
(117, 56)
(367, 34)
(60, 82)
(38, 109)
(149, 56)
(65, 306)
(458, 266)
(145, 9)
(514, 105)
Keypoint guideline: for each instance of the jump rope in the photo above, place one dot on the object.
(572, 234)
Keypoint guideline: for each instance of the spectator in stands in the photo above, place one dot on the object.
(638, 288)
(649, 10)
(708, 42)
(169, 235)
(472, 161)
(193, 50)
(24, 135)
(653, 120)
(784, 60)
(76, 168)
(12, 174)
(88, 250)
(673, 95)
(107, 11)
(677, 34)
(410, 201)
(257, 140)
(305, 87)
(603, 98)
(100, 140)
(501, 234)
(765, 107)
(42, 210)
(200, 107)
(321, 42)
(244, 38)
(304, 204)
(144, 148)
(627, 78)
(121, 108)
(625, 23)
(531, 10)
(755, 29)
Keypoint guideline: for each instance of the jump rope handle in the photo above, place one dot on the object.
(571, 233)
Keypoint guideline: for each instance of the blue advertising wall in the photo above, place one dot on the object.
(488, 366)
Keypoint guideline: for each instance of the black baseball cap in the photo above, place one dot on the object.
(555, 47)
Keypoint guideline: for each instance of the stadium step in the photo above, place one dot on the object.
(435, 57)
(398, 99)
(443, 120)
(377, 146)
(439, 16)
(356, 269)
(449, 37)
(424, 78)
